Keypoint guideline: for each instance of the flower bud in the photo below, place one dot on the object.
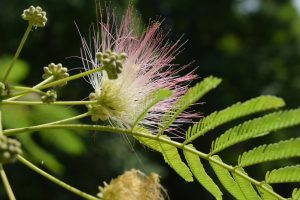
(49, 97)
(9, 149)
(35, 15)
(57, 71)
(112, 62)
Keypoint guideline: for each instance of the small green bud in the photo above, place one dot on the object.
(35, 15)
(112, 61)
(57, 71)
(99, 111)
(9, 149)
(49, 97)
(93, 96)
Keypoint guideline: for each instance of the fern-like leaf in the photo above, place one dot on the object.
(246, 187)
(265, 153)
(255, 128)
(284, 175)
(169, 152)
(199, 172)
(191, 96)
(172, 157)
(235, 111)
(296, 194)
(227, 181)
(153, 99)
(266, 195)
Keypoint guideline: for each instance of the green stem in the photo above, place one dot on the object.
(47, 80)
(55, 180)
(76, 76)
(33, 89)
(66, 120)
(65, 103)
(27, 89)
(16, 130)
(54, 83)
(24, 38)
(6, 184)
(4, 178)
(153, 137)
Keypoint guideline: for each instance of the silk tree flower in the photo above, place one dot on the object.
(147, 66)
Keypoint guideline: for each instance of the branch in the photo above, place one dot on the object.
(153, 137)
(55, 180)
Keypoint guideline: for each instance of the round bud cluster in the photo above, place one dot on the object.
(9, 149)
(112, 62)
(35, 15)
(49, 97)
(57, 71)
(97, 111)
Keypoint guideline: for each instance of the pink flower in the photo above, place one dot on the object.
(147, 68)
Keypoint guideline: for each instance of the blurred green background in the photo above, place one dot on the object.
(253, 45)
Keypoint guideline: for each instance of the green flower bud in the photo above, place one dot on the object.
(49, 97)
(57, 71)
(9, 149)
(112, 61)
(104, 107)
(35, 15)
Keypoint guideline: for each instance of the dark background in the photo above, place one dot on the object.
(254, 46)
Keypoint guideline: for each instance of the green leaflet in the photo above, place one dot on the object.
(245, 186)
(18, 73)
(226, 179)
(265, 153)
(265, 195)
(191, 96)
(199, 172)
(172, 157)
(296, 194)
(235, 111)
(64, 140)
(284, 175)
(40, 155)
(153, 99)
(255, 128)
(170, 154)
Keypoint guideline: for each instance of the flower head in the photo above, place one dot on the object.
(144, 66)
(135, 185)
